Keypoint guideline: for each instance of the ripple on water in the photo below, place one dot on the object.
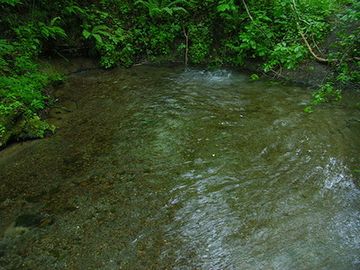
(208, 78)
(197, 170)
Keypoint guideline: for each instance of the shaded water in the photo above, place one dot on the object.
(157, 168)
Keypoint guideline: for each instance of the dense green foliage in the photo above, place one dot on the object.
(21, 81)
(273, 33)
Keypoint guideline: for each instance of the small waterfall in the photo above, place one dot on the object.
(207, 77)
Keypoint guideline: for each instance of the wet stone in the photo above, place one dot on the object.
(33, 220)
(28, 220)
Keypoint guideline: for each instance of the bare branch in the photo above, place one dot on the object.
(186, 46)
(318, 58)
(247, 10)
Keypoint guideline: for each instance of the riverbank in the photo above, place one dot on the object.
(309, 74)
(279, 36)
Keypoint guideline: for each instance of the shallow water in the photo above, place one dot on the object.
(160, 168)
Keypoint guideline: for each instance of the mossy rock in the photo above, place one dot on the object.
(23, 128)
(6, 124)
(34, 127)
(4, 137)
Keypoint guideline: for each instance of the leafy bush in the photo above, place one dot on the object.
(159, 8)
(326, 93)
(109, 38)
(21, 82)
(201, 42)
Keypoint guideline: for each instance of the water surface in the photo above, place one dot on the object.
(161, 168)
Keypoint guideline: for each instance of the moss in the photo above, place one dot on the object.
(33, 127)
(23, 127)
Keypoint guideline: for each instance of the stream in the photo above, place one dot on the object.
(161, 168)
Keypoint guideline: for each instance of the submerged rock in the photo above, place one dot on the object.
(25, 223)
(28, 220)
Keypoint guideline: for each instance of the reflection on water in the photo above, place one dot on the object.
(162, 168)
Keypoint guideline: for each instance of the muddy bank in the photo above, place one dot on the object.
(68, 66)
(308, 73)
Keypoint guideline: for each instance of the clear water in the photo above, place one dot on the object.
(161, 168)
